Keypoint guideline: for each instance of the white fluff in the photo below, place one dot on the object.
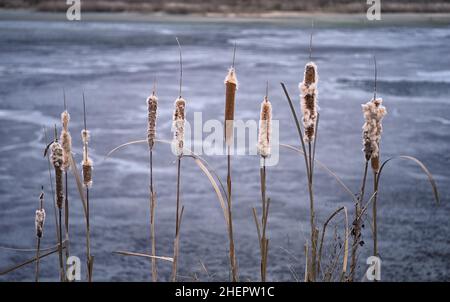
(39, 222)
(373, 112)
(231, 77)
(178, 126)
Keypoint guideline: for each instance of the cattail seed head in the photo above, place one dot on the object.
(308, 89)
(56, 157)
(265, 128)
(39, 222)
(152, 106)
(231, 85)
(87, 162)
(373, 112)
(66, 140)
(178, 126)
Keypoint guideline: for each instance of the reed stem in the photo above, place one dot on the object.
(234, 273)
(357, 224)
(152, 219)
(66, 213)
(177, 224)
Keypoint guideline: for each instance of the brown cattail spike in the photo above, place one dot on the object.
(308, 89)
(231, 85)
(152, 106)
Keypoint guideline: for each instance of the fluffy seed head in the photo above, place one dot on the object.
(66, 140)
(265, 128)
(308, 89)
(87, 162)
(39, 222)
(178, 126)
(152, 106)
(373, 112)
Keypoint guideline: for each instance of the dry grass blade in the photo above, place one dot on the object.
(421, 165)
(258, 228)
(199, 161)
(125, 253)
(345, 259)
(215, 186)
(326, 169)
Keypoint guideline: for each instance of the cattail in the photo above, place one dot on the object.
(178, 125)
(152, 105)
(231, 85)
(265, 128)
(308, 89)
(40, 218)
(66, 140)
(373, 112)
(87, 162)
(57, 161)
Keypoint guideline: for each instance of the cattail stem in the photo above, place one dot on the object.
(264, 242)
(234, 274)
(66, 213)
(374, 213)
(152, 219)
(88, 239)
(357, 224)
(39, 222)
(49, 168)
(177, 223)
(61, 263)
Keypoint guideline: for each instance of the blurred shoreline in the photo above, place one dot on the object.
(301, 18)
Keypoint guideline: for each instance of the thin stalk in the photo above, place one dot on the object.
(356, 224)
(38, 241)
(177, 224)
(55, 212)
(61, 263)
(265, 209)
(66, 213)
(230, 220)
(88, 239)
(374, 214)
(152, 219)
(38, 247)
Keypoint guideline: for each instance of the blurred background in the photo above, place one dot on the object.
(114, 54)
